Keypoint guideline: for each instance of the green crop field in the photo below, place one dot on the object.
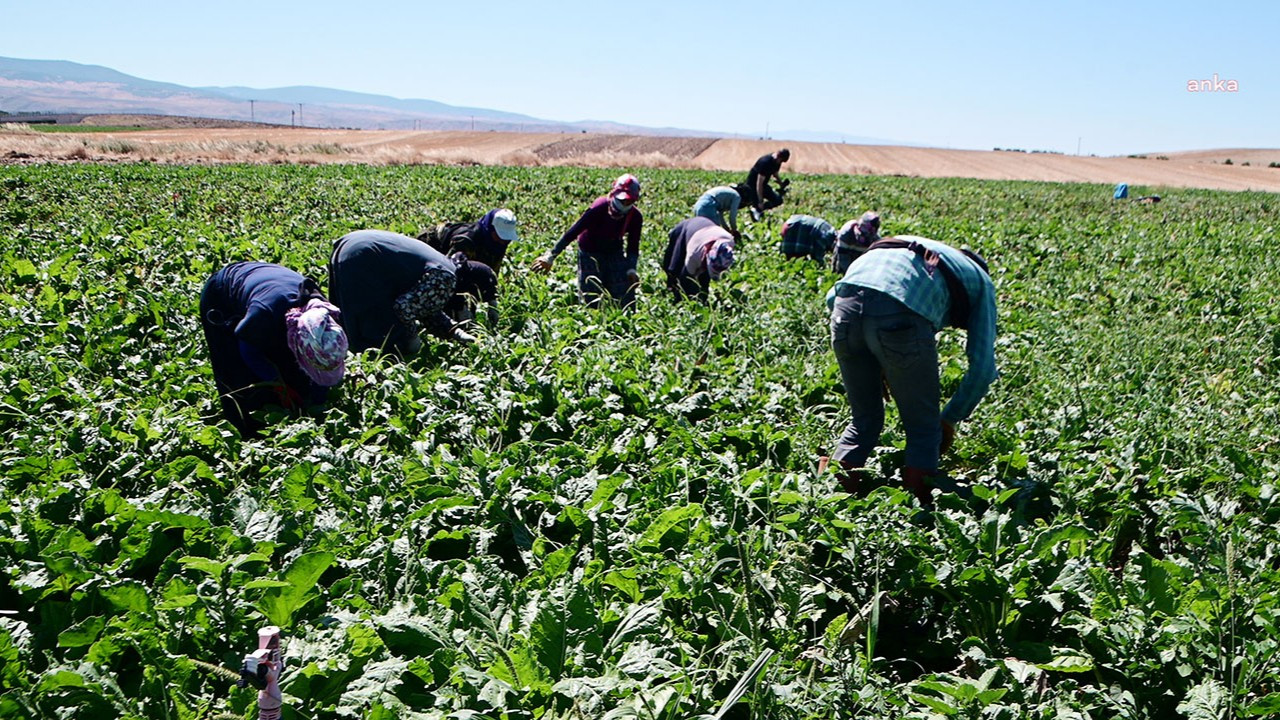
(619, 515)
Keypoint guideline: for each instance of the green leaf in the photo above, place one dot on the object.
(279, 604)
(1068, 663)
(625, 581)
(263, 583)
(558, 562)
(213, 568)
(1207, 701)
(605, 490)
(1266, 705)
(82, 633)
(668, 519)
(128, 597)
(936, 704)
(60, 679)
(23, 269)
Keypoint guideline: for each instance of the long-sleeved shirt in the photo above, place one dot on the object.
(903, 275)
(724, 199)
(598, 232)
(807, 235)
(470, 239)
(260, 294)
(383, 281)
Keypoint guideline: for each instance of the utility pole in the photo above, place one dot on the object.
(473, 123)
(292, 113)
(300, 115)
(251, 117)
(1078, 141)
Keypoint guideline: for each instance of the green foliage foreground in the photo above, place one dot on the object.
(609, 515)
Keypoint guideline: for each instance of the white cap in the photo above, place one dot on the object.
(504, 223)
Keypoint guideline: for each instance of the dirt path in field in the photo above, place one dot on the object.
(265, 144)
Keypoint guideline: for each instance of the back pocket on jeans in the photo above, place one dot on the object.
(901, 345)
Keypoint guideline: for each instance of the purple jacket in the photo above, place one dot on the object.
(597, 232)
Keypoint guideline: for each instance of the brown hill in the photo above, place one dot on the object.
(267, 144)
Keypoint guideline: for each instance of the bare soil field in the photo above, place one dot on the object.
(274, 144)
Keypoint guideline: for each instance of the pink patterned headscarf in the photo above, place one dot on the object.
(317, 341)
(720, 258)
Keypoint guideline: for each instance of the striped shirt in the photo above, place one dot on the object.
(902, 275)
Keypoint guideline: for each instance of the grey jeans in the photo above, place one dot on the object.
(874, 335)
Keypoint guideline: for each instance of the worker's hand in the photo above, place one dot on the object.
(948, 437)
(287, 397)
(633, 277)
(543, 263)
(463, 336)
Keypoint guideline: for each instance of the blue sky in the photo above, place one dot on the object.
(1110, 78)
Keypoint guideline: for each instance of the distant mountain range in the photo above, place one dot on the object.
(59, 86)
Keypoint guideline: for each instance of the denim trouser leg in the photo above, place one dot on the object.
(873, 334)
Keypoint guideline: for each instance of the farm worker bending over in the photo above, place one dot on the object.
(698, 251)
(484, 241)
(806, 236)
(273, 339)
(604, 264)
(717, 203)
(884, 313)
(853, 238)
(763, 196)
(392, 285)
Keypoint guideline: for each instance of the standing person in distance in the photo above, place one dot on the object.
(806, 236)
(393, 286)
(698, 251)
(720, 204)
(273, 340)
(766, 167)
(484, 241)
(885, 312)
(853, 238)
(608, 237)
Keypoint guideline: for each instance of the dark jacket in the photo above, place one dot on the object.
(474, 240)
(368, 270)
(242, 309)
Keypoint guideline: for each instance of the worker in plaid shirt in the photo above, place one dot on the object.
(807, 236)
(885, 313)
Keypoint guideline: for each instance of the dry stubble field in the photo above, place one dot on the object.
(275, 145)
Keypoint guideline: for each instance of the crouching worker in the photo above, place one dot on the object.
(885, 312)
(806, 236)
(484, 241)
(698, 251)
(273, 340)
(392, 286)
(853, 238)
(720, 204)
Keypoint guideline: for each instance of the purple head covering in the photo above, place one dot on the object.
(859, 234)
(317, 341)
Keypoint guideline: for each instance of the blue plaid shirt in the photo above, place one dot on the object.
(807, 235)
(901, 274)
